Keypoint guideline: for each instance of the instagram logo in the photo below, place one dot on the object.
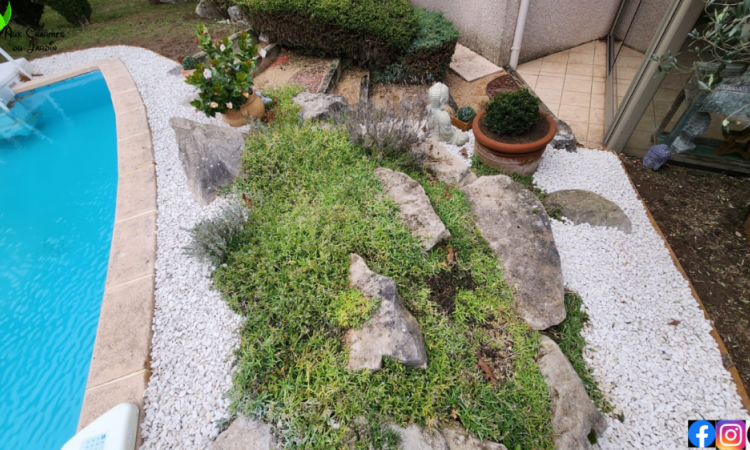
(730, 435)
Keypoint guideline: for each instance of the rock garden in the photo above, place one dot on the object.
(396, 266)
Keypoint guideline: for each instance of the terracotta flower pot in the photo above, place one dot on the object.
(463, 126)
(512, 158)
(253, 109)
(187, 73)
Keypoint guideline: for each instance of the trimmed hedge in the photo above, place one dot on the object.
(369, 32)
(428, 57)
(77, 12)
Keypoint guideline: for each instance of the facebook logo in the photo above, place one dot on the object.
(701, 433)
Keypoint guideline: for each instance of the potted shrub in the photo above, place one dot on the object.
(188, 66)
(512, 133)
(463, 118)
(226, 86)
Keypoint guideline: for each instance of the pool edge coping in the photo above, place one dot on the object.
(120, 362)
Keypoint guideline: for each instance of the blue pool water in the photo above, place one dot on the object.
(57, 204)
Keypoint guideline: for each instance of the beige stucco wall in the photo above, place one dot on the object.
(644, 24)
(485, 26)
(488, 26)
(556, 25)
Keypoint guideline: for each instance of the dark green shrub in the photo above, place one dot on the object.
(429, 55)
(370, 33)
(466, 114)
(25, 12)
(77, 12)
(189, 63)
(512, 113)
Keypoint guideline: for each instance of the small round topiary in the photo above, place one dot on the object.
(512, 113)
(466, 114)
(189, 63)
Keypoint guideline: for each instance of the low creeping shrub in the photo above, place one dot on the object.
(428, 58)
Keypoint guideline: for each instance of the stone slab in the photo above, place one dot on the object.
(580, 206)
(136, 193)
(471, 66)
(123, 338)
(133, 251)
(246, 434)
(103, 398)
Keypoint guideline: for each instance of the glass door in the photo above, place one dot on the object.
(630, 36)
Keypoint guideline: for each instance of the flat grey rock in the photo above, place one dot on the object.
(320, 106)
(457, 438)
(414, 437)
(452, 437)
(564, 138)
(246, 434)
(574, 415)
(210, 155)
(587, 207)
(415, 209)
(441, 163)
(517, 228)
(391, 331)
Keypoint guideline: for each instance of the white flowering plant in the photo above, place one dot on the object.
(227, 83)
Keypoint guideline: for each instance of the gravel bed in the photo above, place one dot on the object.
(195, 333)
(456, 149)
(658, 373)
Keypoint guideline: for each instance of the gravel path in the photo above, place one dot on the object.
(658, 375)
(195, 333)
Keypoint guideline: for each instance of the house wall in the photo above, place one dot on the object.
(487, 27)
(556, 25)
(643, 27)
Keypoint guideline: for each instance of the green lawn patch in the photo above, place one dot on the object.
(318, 200)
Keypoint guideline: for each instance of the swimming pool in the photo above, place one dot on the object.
(58, 190)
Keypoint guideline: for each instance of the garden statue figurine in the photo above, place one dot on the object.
(439, 120)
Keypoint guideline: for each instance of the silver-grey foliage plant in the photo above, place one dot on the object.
(213, 239)
(389, 130)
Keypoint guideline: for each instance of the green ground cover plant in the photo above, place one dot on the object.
(429, 56)
(289, 278)
(369, 33)
(568, 337)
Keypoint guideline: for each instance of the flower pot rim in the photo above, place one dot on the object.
(502, 147)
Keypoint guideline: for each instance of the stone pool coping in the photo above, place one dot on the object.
(120, 365)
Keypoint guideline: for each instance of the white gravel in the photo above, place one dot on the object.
(195, 333)
(658, 375)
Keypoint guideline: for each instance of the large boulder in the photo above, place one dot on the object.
(415, 209)
(320, 106)
(515, 225)
(575, 419)
(587, 207)
(441, 163)
(246, 434)
(391, 331)
(452, 437)
(206, 10)
(210, 155)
